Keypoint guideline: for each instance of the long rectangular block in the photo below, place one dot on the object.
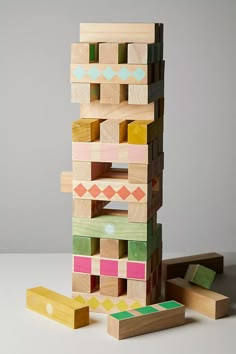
(113, 93)
(177, 267)
(146, 319)
(57, 307)
(85, 129)
(87, 170)
(84, 53)
(144, 94)
(85, 208)
(113, 131)
(114, 73)
(205, 301)
(84, 93)
(112, 53)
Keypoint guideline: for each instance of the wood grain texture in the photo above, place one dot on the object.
(146, 319)
(141, 132)
(84, 53)
(87, 170)
(84, 93)
(112, 53)
(205, 301)
(86, 283)
(112, 286)
(144, 53)
(200, 275)
(85, 208)
(66, 182)
(113, 248)
(177, 267)
(57, 307)
(85, 129)
(113, 131)
(144, 94)
(113, 93)
(121, 32)
(86, 246)
(138, 289)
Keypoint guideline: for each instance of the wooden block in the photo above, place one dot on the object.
(57, 307)
(112, 286)
(140, 53)
(115, 227)
(84, 53)
(113, 73)
(86, 283)
(140, 132)
(113, 248)
(200, 275)
(85, 129)
(177, 267)
(139, 173)
(113, 131)
(144, 94)
(205, 301)
(86, 246)
(84, 93)
(121, 32)
(138, 289)
(113, 93)
(146, 319)
(88, 171)
(141, 212)
(85, 208)
(66, 182)
(119, 111)
(112, 53)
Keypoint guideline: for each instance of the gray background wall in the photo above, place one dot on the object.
(199, 180)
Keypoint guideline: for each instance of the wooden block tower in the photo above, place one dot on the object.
(117, 76)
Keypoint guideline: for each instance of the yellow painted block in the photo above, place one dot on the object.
(57, 307)
(140, 132)
(85, 129)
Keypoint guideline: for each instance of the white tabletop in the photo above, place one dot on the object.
(23, 331)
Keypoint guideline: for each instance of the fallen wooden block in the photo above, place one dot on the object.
(84, 53)
(202, 300)
(177, 267)
(84, 93)
(200, 275)
(144, 94)
(146, 319)
(85, 129)
(112, 53)
(57, 307)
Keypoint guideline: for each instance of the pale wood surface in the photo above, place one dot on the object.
(113, 93)
(113, 248)
(113, 131)
(85, 283)
(112, 53)
(144, 94)
(87, 170)
(84, 93)
(112, 286)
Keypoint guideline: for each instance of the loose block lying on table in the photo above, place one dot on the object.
(112, 53)
(205, 301)
(144, 94)
(57, 307)
(110, 248)
(66, 182)
(84, 53)
(113, 73)
(200, 275)
(85, 129)
(113, 93)
(141, 132)
(84, 93)
(119, 111)
(86, 246)
(112, 286)
(121, 32)
(177, 267)
(86, 283)
(146, 319)
(113, 131)
(87, 170)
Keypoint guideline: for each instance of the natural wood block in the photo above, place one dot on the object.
(113, 131)
(86, 246)
(84, 93)
(140, 53)
(86, 283)
(144, 94)
(177, 267)
(146, 319)
(84, 53)
(112, 53)
(205, 301)
(112, 286)
(113, 248)
(111, 73)
(85, 208)
(119, 111)
(66, 182)
(140, 132)
(113, 93)
(141, 212)
(85, 129)
(57, 307)
(138, 289)
(121, 32)
(139, 173)
(87, 170)
(200, 275)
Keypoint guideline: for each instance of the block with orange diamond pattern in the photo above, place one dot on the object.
(85, 129)
(141, 132)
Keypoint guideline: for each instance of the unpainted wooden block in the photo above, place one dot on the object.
(139, 173)
(200, 275)
(112, 286)
(66, 182)
(113, 93)
(112, 53)
(86, 283)
(115, 249)
(140, 53)
(141, 132)
(138, 289)
(87, 170)
(57, 307)
(113, 131)
(86, 246)
(144, 94)
(87, 208)
(84, 53)
(84, 93)
(85, 129)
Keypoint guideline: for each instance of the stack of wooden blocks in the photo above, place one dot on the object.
(117, 76)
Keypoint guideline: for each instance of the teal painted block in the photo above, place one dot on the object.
(200, 275)
(85, 246)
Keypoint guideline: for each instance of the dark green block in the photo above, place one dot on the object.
(200, 275)
(85, 246)
(92, 53)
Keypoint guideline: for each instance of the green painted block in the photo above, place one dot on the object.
(86, 246)
(92, 53)
(146, 310)
(168, 305)
(122, 315)
(200, 275)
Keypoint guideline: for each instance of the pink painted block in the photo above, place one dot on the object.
(136, 270)
(110, 152)
(108, 267)
(82, 264)
(81, 152)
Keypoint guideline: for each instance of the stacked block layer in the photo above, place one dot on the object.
(117, 76)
